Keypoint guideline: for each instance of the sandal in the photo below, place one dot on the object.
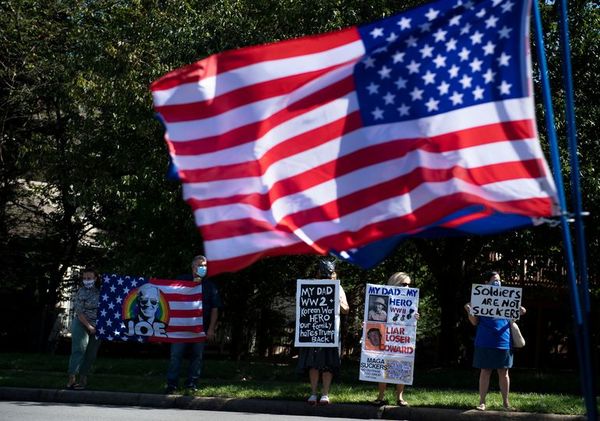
(324, 400)
(379, 402)
(402, 402)
(312, 400)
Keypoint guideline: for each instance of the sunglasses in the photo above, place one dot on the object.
(145, 301)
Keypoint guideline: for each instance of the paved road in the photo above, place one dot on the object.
(69, 405)
(36, 411)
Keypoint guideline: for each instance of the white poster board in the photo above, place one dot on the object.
(495, 301)
(389, 334)
(317, 313)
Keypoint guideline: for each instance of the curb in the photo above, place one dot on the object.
(265, 406)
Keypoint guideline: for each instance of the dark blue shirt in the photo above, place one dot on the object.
(210, 297)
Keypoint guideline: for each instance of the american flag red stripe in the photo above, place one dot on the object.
(276, 153)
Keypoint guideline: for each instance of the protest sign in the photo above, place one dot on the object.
(138, 309)
(317, 313)
(495, 301)
(389, 334)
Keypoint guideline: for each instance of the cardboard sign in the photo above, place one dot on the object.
(317, 313)
(389, 334)
(494, 301)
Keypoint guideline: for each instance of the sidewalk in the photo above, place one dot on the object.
(266, 406)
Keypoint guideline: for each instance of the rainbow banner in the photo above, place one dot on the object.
(149, 310)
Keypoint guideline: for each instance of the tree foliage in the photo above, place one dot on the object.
(77, 120)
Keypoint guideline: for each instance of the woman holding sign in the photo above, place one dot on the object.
(399, 279)
(318, 361)
(492, 349)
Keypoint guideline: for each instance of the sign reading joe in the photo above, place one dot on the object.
(317, 313)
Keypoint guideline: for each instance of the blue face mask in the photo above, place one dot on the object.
(495, 283)
(201, 271)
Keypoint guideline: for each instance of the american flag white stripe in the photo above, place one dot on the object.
(212, 87)
(321, 194)
(185, 322)
(476, 155)
(490, 113)
(185, 305)
(275, 159)
(330, 151)
(261, 111)
(278, 135)
(386, 209)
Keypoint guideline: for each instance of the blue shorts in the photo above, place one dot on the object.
(492, 358)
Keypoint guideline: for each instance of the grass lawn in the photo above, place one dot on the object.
(532, 391)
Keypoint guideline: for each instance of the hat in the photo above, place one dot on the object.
(326, 267)
(380, 300)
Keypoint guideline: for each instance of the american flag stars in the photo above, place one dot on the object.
(115, 288)
(426, 63)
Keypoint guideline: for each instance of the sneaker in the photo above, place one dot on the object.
(169, 390)
(312, 400)
(192, 388)
(480, 407)
(324, 400)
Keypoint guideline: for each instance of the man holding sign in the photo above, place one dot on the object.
(491, 309)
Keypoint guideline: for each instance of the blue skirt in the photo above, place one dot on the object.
(492, 358)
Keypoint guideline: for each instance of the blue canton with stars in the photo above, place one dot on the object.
(440, 57)
(110, 325)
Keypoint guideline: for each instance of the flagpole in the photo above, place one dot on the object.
(584, 366)
(576, 198)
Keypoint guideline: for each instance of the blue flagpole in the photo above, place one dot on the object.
(572, 138)
(584, 365)
(576, 197)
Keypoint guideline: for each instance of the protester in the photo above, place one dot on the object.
(211, 302)
(322, 362)
(84, 344)
(398, 279)
(492, 349)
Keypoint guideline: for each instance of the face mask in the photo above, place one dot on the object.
(495, 283)
(88, 283)
(201, 271)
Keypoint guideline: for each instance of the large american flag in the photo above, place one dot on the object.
(178, 316)
(332, 142)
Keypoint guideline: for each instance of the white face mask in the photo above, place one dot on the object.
(88, 283)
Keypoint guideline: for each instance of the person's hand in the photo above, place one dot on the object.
(417, 316)
(92, 330)
(210, 335)
(468, 308)
(522, 310)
